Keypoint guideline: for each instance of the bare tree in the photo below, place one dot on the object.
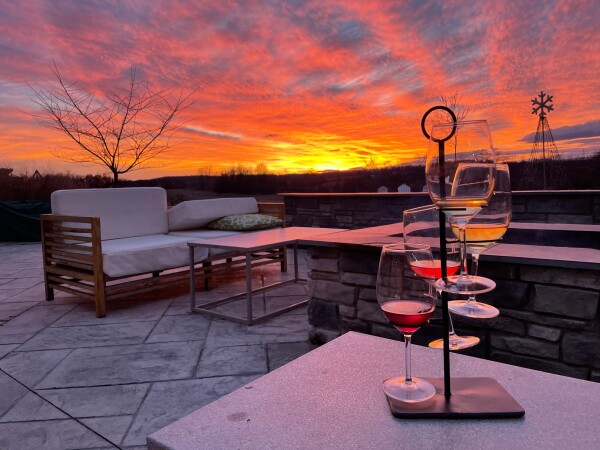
(261, 168)
(453, 101)
(122, 128)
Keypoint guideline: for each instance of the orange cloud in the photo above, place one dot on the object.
(306, 85)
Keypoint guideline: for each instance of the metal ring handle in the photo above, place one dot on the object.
(429, 111)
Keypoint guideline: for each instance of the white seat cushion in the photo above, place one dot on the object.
(123, 212)
(195, 214)
(143, 254)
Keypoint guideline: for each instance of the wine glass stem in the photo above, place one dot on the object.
(452, 333)
(408, 375)
(462, 237)
(474, 267)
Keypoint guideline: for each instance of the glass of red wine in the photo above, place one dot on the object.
(422, 226)
(405, 301)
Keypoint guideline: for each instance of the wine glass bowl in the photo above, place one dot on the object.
(484, 231)
(422, 226)
(460, 173)
(405, 301)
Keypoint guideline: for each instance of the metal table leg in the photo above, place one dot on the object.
(249, 288)
(192, 281)
(296, 277)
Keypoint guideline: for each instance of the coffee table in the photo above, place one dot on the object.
(249, 246)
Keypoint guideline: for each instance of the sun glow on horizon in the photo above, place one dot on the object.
(333, 85)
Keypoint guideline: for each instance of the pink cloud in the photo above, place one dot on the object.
(300, 79)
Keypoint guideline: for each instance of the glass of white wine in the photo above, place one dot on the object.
(461, 172)
(484, 231)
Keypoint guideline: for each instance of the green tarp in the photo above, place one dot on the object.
(20, 221)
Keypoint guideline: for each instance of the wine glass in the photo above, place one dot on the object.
(422, 226)
(460, 172)
(483, 232)
(404, 300)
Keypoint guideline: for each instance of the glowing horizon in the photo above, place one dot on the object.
(305, 85)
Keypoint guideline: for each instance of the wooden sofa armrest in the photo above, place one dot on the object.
(72, 257)
(272, 209)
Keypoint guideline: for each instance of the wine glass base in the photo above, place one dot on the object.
(456, 342)
(418, 390)
(466, 285)
(473, 309)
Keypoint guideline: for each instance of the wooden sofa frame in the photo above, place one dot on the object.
(72, 261)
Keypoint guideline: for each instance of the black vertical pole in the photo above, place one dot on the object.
(442, 225)
(444, 267)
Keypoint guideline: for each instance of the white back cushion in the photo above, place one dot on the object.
(199, 213)
(123, 212)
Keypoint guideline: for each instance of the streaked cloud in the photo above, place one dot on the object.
(213, 133)
(584, 130)
(312, 83)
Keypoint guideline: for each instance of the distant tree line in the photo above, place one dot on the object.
(580, 174)
(28, 187)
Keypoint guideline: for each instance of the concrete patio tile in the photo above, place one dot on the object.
(169, 401)
(280, 354)
(283, 328)
(36, 292)
(89, 336)
(10, 310)
(27, 324)
(179, 308)
(112, 428)
(32, 407)
(5, 349)
(11, 392)
(124, 364)
(49, 435)
(192, 327)
(238, 360)
(117, 312)
(31, 367)
(8, 293)
(98, 401)
(22, 283)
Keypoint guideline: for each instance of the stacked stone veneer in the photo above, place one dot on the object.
(372, 209)
(549, 316)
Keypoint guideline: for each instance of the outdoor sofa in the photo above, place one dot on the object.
(109, 243)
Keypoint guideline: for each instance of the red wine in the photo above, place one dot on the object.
(407, 315)
(425, 269)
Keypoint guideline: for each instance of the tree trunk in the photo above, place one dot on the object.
(115, 179)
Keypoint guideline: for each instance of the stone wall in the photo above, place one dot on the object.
(359, 210)
(549, 316)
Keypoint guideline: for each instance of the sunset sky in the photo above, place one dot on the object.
(306, 85)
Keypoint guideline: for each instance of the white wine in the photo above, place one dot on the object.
(461, 207)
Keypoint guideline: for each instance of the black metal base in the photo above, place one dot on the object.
(472, 398)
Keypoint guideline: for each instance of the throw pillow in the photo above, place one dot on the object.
(245, 222)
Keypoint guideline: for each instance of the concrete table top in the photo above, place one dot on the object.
(331, 398)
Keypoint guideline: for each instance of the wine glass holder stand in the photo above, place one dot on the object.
(459, 397)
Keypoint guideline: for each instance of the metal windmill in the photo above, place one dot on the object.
(544, 156)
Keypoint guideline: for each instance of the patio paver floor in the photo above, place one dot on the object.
(71, 381)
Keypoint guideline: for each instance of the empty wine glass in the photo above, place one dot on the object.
(484, 231)
(460, 173)
(422, 226)
(405, 301)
